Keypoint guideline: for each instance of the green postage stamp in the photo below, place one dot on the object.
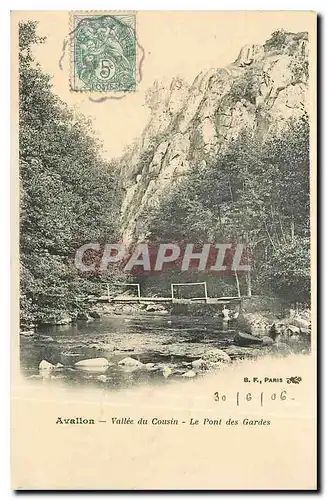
(103, 52)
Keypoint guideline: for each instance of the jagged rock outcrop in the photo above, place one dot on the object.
(263, 88)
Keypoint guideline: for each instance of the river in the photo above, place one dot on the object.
(165, 341)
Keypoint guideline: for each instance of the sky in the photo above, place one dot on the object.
(175, 44)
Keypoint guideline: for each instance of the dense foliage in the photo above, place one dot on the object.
(256, 193)
(68, 193)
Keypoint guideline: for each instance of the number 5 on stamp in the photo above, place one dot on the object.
(103, 52)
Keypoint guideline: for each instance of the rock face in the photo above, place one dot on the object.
(264, 87)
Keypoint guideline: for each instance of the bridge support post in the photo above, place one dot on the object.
(205, 291)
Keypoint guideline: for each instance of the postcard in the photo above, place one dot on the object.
(164, 332)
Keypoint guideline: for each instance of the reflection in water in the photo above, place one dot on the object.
(163, 344)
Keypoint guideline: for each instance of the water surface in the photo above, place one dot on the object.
(166, 341)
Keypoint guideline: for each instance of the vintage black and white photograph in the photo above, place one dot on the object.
(166, 183)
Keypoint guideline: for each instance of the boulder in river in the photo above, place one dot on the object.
(189, 374)
(95, 315)
(150, 366)
(45, 338)
(216, 356)
(158, 308)
(253, 323)
(199, 364)
(293, 332)
(28, 333)
(131, 363)
(291, 329)
(45, 365)
(280, 331)
(300, 322)
(267, 340)
(92, 363)
(178, 371)
(167, 371)
(94, 346)
(246, 339)
(83, 316)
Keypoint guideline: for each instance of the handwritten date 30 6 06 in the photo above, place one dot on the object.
(247, 397)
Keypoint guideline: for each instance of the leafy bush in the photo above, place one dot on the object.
(277, 41)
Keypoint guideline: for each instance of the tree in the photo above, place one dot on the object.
(256, 193)
(69, 194)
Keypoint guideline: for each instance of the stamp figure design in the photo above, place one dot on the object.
(103, 53)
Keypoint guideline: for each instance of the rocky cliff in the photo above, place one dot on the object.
(264, 87)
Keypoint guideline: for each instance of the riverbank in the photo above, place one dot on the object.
(262, 317)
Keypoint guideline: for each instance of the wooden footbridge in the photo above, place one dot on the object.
(174, 298)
